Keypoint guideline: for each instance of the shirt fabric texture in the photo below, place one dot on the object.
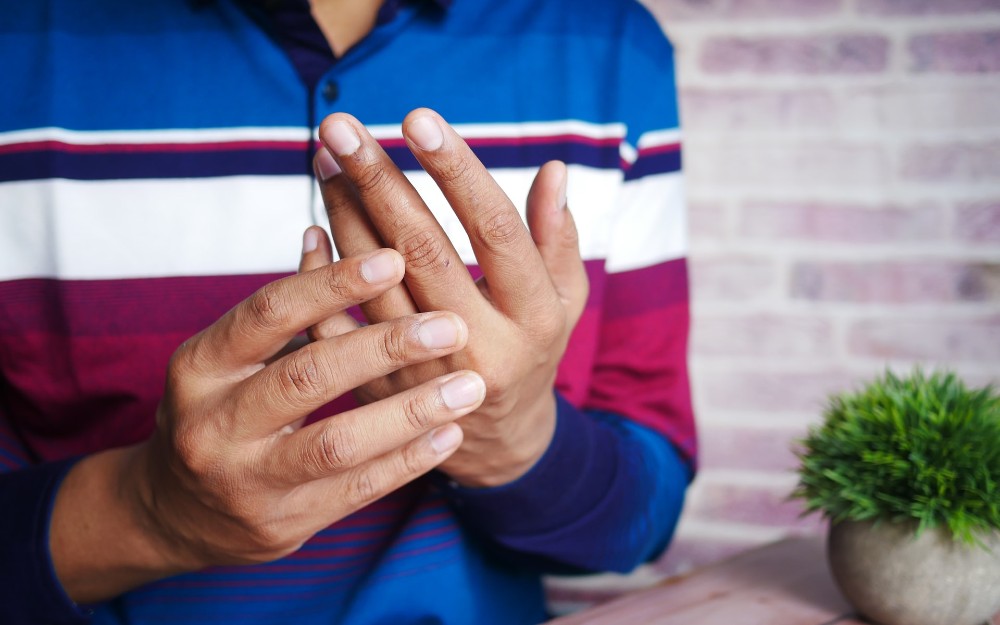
(155, 170)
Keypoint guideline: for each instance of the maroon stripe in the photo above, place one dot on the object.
(630, 293)
(140, 306)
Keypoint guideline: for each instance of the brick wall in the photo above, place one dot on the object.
(843, 159)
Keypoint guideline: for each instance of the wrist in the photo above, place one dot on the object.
(100, 544)
(498, 460)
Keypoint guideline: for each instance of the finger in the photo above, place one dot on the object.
(320, 372)
(354, 234)
(316, 253)
(259, 326)
(499, 238)
(366, 483)
(435, 274)
(554, 233)
(352, 438)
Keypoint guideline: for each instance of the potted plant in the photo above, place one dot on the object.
(908, 472)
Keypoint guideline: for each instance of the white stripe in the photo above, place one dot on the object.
(149, 228)
(650, 223)
(73, 229)
(656, 138)
(217, 135)
(143, 137)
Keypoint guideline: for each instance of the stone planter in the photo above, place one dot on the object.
(894, 579)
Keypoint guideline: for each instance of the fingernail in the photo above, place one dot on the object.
(310, 241)
(426, 133)
(438, 332)
(342, 138)
(463, 391)
(326, 167)
(561, 198)
(379, 268)
(446, 438)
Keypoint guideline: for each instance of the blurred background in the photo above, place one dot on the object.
(843, 168)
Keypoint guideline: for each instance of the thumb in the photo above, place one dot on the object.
(554, 232)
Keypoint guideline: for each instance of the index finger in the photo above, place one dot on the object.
(435, 274)
(514, 270)
(260, 326)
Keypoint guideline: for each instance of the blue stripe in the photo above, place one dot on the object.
(660, 163)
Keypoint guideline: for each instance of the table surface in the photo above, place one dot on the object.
(786, 583)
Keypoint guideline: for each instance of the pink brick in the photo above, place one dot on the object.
(840, 223)
(923, 106)
(817, 54)
(926, 7)
(952, 162)
(733, 278)
(769, 164)
(741, 503)
(896, 282)
(671, 10)
(938, 340)
(978, 222)
(787, 391)
(760, 336)
(961, 53)
(754, 448)
(716, 110)
(706, 220)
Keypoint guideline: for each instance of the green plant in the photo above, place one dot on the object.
(917, 448)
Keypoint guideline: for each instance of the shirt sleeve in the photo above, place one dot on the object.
(30, 592)
(605, 496)
(609, 490)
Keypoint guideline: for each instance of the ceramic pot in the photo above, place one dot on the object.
(894, 579)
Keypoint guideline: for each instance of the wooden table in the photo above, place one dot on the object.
(786, 583)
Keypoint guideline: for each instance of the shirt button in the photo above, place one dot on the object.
(330, 91)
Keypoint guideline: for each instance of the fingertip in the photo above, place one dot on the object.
(464, 391)
(446, 438)
(383, 266)
(324, 165)
(310, 240)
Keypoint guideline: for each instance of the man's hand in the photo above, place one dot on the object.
(230, 474)
(520, 314)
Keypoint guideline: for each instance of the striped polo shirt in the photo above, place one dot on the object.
(155, 170)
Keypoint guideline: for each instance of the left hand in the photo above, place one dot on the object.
(520, 313)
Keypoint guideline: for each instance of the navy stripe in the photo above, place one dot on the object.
(525, 155)
(658, 163)
(201, 163)
(38, 165)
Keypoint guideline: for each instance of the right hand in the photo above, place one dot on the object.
(231, 476)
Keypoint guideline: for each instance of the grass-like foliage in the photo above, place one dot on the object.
(923, 449)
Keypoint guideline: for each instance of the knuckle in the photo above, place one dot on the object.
(336, 450)
(423, 250)
(393, 350)
(455, 170)
(360, 490)
(303, 376)
(370, 177)
(339, 284)
(501, 227)
(418, 411)
(267, 308)
(414, 461)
